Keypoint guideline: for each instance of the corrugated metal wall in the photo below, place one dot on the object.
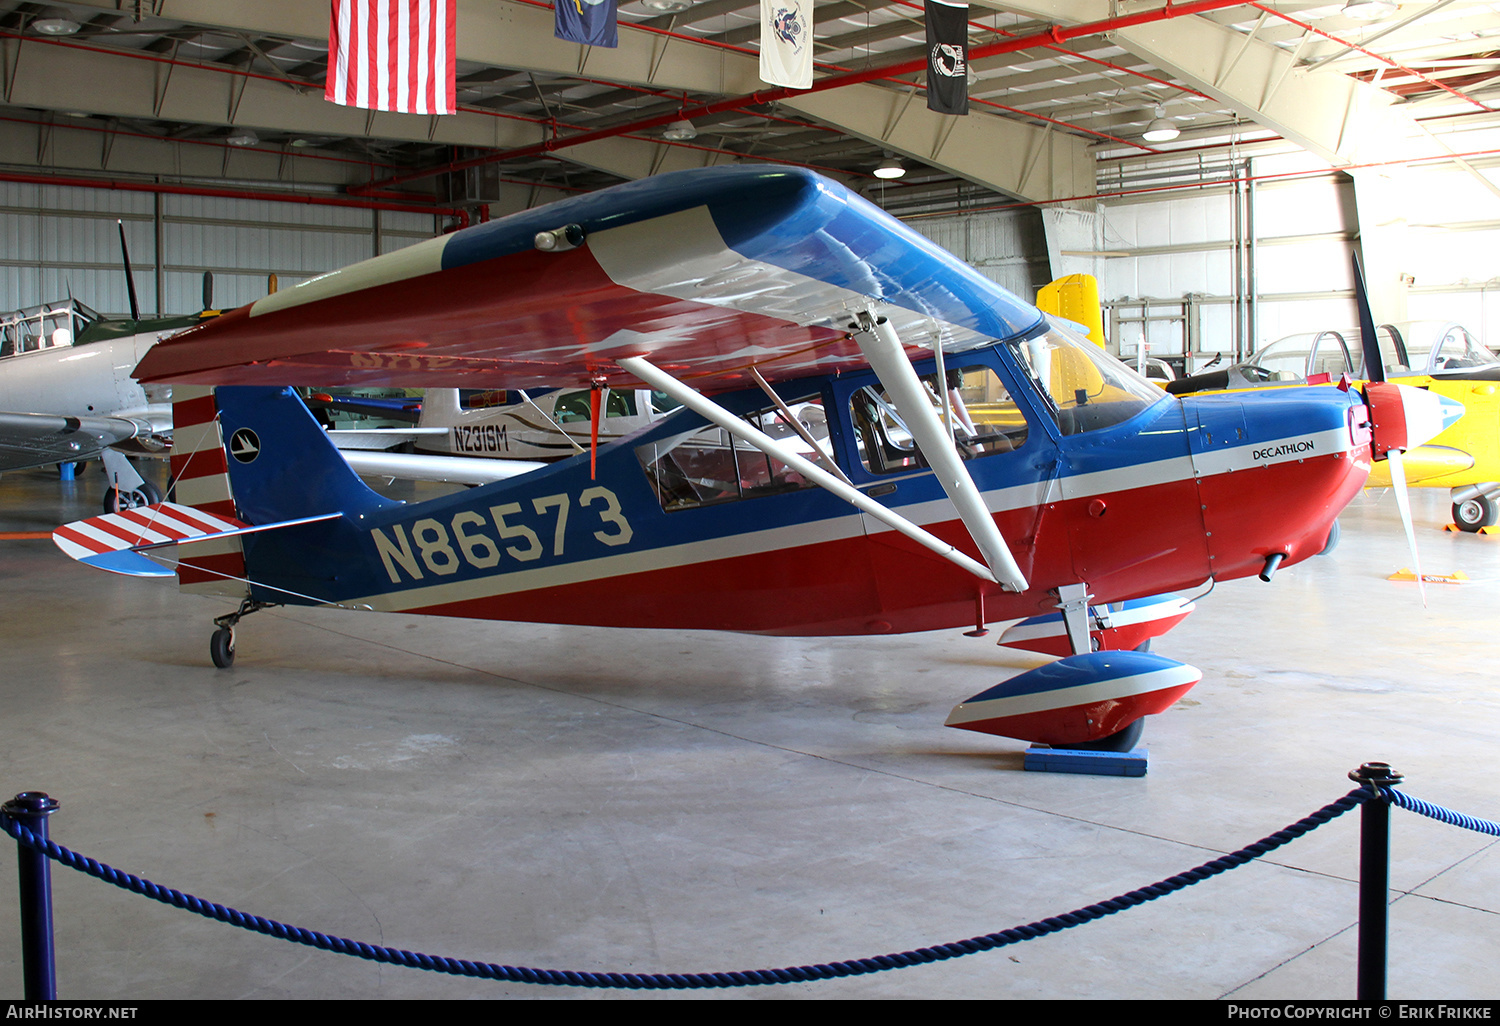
(1007, 247)
(54, 240)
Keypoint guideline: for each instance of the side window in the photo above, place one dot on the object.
(573, 407)
(711, 466)
(983, 417)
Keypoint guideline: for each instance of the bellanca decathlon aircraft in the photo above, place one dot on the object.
(970, 462)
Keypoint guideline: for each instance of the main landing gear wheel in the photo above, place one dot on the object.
(1333, 540)
(1123, 740)
(1472, 514)
(117, 499)
(221, 647)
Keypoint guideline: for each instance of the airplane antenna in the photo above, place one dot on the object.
(135, 307)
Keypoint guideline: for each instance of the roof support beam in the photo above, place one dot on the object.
(520, 36)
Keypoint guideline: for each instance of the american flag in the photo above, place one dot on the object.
(392, 55)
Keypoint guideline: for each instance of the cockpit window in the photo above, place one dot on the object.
(709, 466)
(982, 416)
(573, 407)
(1085, 388)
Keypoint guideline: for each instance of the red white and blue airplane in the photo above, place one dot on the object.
(974, 463)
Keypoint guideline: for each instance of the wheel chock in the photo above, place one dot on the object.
(1071, 760)
(1495, 529)
(1405, 574)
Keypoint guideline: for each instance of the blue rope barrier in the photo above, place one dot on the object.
(1439, 813)
(687, 981)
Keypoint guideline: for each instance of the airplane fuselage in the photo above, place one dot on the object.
(83, 380)
(662, 535)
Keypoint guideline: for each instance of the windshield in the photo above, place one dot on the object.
(1084, 387)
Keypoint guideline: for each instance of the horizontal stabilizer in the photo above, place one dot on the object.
(115, 541)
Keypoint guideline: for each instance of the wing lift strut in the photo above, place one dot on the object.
(881, 346)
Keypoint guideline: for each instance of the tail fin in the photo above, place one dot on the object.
(1075, 298)
(281, 464)
(201, 478)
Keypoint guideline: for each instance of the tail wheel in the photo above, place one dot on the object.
(117, 499)
(221, 647)
(1472, 514)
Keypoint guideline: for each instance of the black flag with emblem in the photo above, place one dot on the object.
(947, 57)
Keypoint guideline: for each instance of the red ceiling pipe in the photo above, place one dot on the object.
(1048, 36)
(203, 190)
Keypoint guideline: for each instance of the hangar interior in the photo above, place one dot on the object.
(606, 799)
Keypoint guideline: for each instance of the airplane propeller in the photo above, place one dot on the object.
(135, 307)
(1375, 376)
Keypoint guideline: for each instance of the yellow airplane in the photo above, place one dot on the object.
(1442, 357)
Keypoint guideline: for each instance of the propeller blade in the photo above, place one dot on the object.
(208, 290)
(1403, 503)
(1374, 364)
(135, 308)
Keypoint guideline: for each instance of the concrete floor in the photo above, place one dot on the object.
(650, 802)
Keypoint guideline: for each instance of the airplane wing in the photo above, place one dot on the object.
(39, 440)
(469, 470)
(707, 273)
(381, 438)
(405, 409)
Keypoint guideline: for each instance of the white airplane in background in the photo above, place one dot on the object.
(66, 394)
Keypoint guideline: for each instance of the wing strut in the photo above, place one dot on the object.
(881, 346)
(700, 404)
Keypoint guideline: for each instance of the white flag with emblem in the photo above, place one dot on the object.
(786, 43)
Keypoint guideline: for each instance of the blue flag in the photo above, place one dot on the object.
(590, 22)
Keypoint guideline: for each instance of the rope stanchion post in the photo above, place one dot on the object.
(34, 869)
(1374, 879)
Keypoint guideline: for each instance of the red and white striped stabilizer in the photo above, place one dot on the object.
(1078, 699)
(110, 542)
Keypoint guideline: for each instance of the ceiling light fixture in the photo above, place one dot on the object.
(667, 6)
(889, 168)
(680, 131)
(1369, 10)
(1161, 129)
(55, 25)
(243, 137)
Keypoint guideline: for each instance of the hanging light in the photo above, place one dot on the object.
(680, 131)
(54, 21)
(1161, 129)
(890, 167)
(1369, 10)
(667, 6)
(55, 25)
(243, 137)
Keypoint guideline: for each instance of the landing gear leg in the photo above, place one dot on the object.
(221, 642)
(1073, 601)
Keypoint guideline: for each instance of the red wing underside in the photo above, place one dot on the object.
(529, 320)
